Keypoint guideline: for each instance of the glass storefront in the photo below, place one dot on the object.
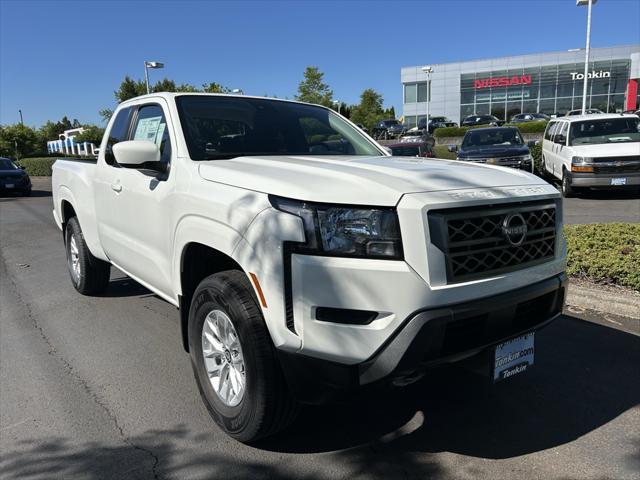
(553, 89)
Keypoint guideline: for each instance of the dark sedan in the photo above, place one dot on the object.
(412, 149)
(496, 146)
(13, 179)
(473, 120)
(530, 117)
(436, 122)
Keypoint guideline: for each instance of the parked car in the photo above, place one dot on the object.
(529, 117)
(13, 179)
(473, 120)
(595, 151)
(588, 111)
(307, 263)
(415, 135)
(412, 149)
(388, 129)
(501, 146)
(436, 122)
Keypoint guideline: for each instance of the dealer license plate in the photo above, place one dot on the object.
(618, 181)
(9, 185)
(513, 356)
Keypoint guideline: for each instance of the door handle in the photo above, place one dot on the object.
(116, 187)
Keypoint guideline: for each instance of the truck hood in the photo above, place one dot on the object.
(357, 180)
(492, 151)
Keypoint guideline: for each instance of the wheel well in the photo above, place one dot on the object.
(198, 262)
(67, 212)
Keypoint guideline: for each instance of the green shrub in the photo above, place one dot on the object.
(442, 152)
(529, 127)
(605, 253)
(536, 153)
(39, 166)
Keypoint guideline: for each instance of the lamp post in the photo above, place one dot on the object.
(21, 121)
(237, 91)
(428, 70)
(589, 3)
(338, 104)
(147, 66)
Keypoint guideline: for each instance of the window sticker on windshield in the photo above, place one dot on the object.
(147, 129)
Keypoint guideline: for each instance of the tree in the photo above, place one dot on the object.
(313, 90)
(130, 88)
(369, 110)
(18, 141)
(214, 87)
(91, 133)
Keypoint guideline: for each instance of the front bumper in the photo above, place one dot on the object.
(20, 185)
(604, 179)
(428, 338)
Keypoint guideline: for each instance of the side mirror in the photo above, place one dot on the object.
(533, 143)
(561, 139)
(135, 153)
(452, 148)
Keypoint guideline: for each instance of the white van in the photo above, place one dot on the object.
(601, 151)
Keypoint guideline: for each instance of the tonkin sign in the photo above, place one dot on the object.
(591, 74)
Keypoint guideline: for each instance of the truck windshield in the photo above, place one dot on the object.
(6, 164)
(491, 136)
(221, 127)
(605, 130)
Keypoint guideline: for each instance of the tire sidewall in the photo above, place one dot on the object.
(213, 295)
(567, 191)
(73, 229)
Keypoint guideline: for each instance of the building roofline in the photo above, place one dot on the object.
(557, 52)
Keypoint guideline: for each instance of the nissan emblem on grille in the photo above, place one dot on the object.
(514, 228)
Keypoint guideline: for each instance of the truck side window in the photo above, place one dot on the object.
(118, 133)
(561, 136)
(151, 125)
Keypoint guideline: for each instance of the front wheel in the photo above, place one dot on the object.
(234, 361)
(567, 189)
(89, 274)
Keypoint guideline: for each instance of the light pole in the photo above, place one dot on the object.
(21, 121)
(147, 66)
(337, 103)
(428, 70)
(589, 3)
(237, 91)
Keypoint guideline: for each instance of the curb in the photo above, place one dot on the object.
(602, 298)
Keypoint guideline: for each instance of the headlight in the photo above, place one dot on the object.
(345, 231)
(581, 160)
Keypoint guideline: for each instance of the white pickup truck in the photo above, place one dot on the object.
(305, 261)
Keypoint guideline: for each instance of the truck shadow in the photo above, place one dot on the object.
(585, 376)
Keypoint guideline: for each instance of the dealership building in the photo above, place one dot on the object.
(549, 83)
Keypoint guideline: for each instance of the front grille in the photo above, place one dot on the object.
(475, 244)
(617, 159)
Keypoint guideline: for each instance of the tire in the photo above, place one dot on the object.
(567, 189)
(89, 274)
(263, 405)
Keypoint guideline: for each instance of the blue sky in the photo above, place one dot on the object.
(67, 57)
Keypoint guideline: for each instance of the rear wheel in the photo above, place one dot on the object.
(89, 274)
(234, 361)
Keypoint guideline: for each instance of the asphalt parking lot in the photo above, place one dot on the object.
(99, 387)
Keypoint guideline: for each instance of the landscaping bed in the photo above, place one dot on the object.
(605, 253)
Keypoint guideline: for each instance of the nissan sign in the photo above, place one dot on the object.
(503, 81)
